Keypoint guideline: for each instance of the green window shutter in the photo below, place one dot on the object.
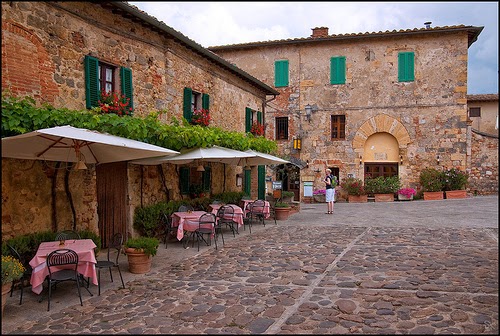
(261, 189)
(92, 93)
(406, 66)
(184, 173)
(248, 119)
(187, 113)
(248, 181)
(259, 117)
(205, 101)
(281, 73)
(126, 81)
(337, 70)
(207, 179)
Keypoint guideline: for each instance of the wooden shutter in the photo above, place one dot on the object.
(281, 73)
(188, 113)
(184, 173)
(205, 101)
(207, 179)
(126, 83)
(259, 117)
(406, 66)
(337, 70)
(92, 93)
(261, 189)
(248, 119)
(248, 180)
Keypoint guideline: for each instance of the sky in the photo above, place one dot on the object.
(221, 23)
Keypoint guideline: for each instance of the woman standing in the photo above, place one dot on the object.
(331, 183)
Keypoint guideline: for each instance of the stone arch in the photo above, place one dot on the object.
(381, 123)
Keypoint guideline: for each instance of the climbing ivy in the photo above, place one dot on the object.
(21, 115)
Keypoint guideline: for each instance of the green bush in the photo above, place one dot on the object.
(431, 179)
(382, 185)
(353, 186)
(147, 244)
(454, 179)
(281, 205)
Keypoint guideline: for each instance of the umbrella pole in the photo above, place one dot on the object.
(224, 189)
(68, 193)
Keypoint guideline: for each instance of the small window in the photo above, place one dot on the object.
(106, 77)
(192, 181)
(474, 112)
(338, 127)
(194, 101)
(337, 70)
(281, 73)
(282, 128)
(252, 117)
(406, 65)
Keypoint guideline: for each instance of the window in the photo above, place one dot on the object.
(193, 101)
(282, 128)
(337, 70)
(100, 75)
(193, 181)
(252, 116)
(281, 73)
(475, 112)
(338, 126)
(406, 61)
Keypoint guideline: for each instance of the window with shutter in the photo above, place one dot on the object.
(248, 182)
(282, 128)
(184, 174)
(337, 70)
(207, 179)
(126, 81)
(281, 73)
(474, 112)
(338, 127)
(261, 189)
(406, 65)
(248, 119)
(187, 107)
(91, 81)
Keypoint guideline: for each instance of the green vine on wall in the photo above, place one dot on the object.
(21, 115)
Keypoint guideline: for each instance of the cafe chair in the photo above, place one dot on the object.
(67, 234)
(64, 258)
(272, 212)
(218, 231)
(26, 274)
(206, 226)
(248, 218)
(185, 207)
(116, 246)
(166, 223)
(225, 216)
(258, 208)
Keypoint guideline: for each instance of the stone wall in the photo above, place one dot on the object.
(483, 177)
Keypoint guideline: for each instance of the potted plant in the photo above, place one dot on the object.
(200, 117)
(319, 195)
(12, 270)
(382, 187)
(406, 194)
(140, 252)
(287, 196)
(355, 190)
(282, 210)
(432, 184)
(455, 182)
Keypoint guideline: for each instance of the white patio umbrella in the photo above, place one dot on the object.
(71, 144)
(259, 158)
(208, 154)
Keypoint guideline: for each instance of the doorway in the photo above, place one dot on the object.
(374, 170)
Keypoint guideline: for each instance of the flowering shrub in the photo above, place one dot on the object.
(431, 180)
(454, 179)
(382, 185)
(201, 117)
(407, 192)
(257, 129)
(12, 269)
(319, 192)
(353, 186)
(112, 102)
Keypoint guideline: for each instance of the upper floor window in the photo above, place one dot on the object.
(252, 117)
(192, 182)
(338, 126)
(474, 112)
(281, 128)
(194, 101)
(281, 73)
(100, 76)
(406, 66)
(337, 70)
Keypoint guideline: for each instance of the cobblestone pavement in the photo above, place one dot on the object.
(417, 267)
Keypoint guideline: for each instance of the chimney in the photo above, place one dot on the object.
(319, 32)
(427, 24)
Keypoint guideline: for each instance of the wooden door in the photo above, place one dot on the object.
(111, 200)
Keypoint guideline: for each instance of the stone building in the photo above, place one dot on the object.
(50, 52)
(380, 103)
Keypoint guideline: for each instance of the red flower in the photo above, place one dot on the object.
(112, 102)
(200, 117)
(257, 129)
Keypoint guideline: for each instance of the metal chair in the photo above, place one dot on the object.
(272, 212)
(248, 218)
(258, 208)
(206, 226)
(56, 259)
(26, 274)
(185, 207)
(67, 234)
(117, 246)
(166, 223)
(225, 216)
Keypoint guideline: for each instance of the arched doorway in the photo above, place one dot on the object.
(381, 155)
(290, 175)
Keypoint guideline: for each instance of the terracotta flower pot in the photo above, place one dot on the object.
(357, 199)
(450, 194)
(384, 197)
(5, 292)
(138, 261)
(282, 213)
(433, 195)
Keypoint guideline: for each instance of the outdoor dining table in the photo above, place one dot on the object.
(186, 221)
(86, 260)
(238, 212)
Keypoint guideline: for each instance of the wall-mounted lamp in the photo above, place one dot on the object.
(401, 159)
(247, 168)
(239, 180)
(308, 109)
(80, 165)
(437, 158)
(317, 171)
(360, 160)
(200, 168)
(297, 143)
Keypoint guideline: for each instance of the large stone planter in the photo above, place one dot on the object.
(319, 198)
(450, 194)
(405, 198)
(357, 199)
(433, 195)
(384, 197)
(282, 213)
(138, 261)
